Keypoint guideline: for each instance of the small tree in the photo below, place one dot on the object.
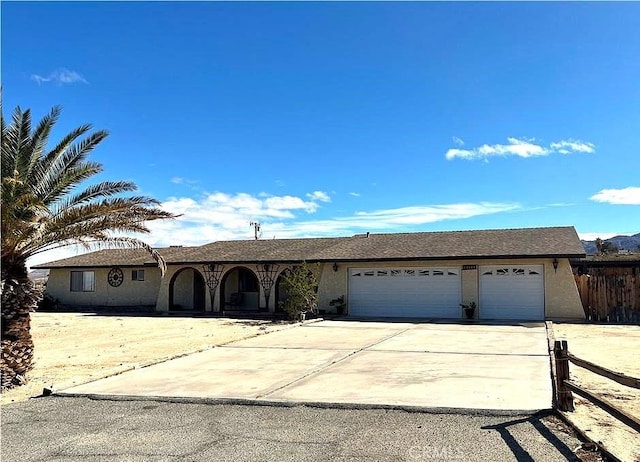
(609, 247)
(300, 284)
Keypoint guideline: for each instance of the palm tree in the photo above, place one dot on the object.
(43, 209)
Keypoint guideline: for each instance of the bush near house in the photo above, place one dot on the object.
(300, 283)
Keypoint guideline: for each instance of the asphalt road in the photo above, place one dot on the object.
(80, 429)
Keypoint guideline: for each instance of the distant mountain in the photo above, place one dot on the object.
(629, 243)
(39, 275)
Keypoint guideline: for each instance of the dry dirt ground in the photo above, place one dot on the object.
(616, 347)
(74, 348)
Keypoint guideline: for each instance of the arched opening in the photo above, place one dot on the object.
(187, 291)
(281, 292)
(240, 290)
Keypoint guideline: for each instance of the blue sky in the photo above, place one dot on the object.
(330, 118)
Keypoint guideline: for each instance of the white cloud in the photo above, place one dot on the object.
(520, 147)
(594, 236)
(60, 77)
(221, 216)
(319, 196)
(354, 194)
(177, 180)
(418, 215)
(457, 141)
(625, 196)
(569, 146)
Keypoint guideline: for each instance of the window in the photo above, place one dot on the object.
(137, 275)
(82, 281)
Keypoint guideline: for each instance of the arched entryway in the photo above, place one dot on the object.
(281, 292)
(240, 290)
(187, 291)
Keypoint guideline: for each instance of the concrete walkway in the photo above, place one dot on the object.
(494, 367)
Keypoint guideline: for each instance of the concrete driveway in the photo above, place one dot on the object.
(496, 367)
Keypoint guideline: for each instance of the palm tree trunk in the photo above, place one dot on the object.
(19, 297)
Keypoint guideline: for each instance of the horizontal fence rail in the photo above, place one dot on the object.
(564, 385)
(619, 377)
(619, 414)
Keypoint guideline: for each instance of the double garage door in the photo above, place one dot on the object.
(505, 292)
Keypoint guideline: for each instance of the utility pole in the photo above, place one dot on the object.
(256, 229)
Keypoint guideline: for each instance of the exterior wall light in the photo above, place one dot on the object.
(555, 265)
(335, 267)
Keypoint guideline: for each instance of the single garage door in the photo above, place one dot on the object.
(512, 292)
(405, 292)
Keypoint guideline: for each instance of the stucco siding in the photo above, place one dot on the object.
(333, 284)
(129, 293)
(562, 300)
(562, 296)
(470, 286)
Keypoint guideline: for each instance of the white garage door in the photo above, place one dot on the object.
(512, 292)
(405, 292)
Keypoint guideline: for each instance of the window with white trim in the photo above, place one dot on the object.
(83, 281)
(137, 275)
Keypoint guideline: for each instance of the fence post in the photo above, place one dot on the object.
(565, 398)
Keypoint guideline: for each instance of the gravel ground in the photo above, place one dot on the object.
(79, 429)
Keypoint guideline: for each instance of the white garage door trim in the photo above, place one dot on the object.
(425, 292)
(512, 292)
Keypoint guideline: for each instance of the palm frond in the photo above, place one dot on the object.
(39, 209)
(104, 189)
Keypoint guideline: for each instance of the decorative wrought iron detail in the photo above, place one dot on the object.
(212, 274)
(267, 277)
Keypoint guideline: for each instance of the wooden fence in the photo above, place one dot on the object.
(565, 387)
(610, 298)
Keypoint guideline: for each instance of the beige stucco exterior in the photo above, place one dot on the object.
(129, 293)
(562, 300)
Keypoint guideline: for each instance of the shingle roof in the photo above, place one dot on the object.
(113, 257)
(499, 243)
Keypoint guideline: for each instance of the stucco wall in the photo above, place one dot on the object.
(562, 297)
(333, 285)
(129, 293)
(469, 285)
(183, 289)
(562, 300)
